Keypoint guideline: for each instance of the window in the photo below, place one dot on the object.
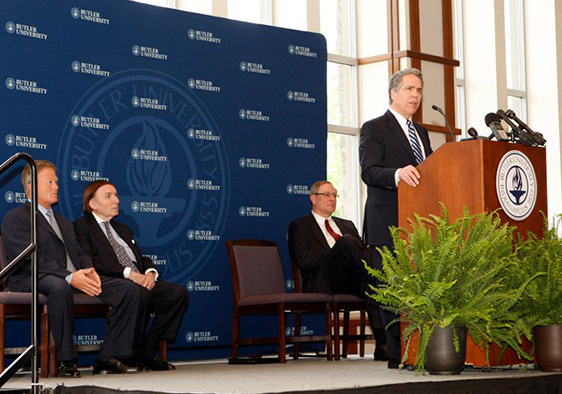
(515, 57)
(248, 10)
(161, 3)
(335, 24)
(198, 6)
(460, 90)
(291, 14)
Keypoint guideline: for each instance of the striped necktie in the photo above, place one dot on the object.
(119, 250)
(414, 141)
(53, 222)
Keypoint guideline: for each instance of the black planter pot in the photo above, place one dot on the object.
(548, 341)
(442, 359)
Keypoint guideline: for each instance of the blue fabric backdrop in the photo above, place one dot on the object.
(211, 129)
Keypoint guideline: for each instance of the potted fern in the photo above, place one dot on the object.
(541, 307)
(450, 276)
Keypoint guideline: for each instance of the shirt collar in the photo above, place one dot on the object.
(402, 120)
(43, 210)
(320, 219)
(98, 219)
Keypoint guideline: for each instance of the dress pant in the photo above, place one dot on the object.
(344, 272)
(119, 294)
(169, 302)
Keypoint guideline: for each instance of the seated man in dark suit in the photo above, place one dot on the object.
(63, 269)
(116, 254)
(329, 254)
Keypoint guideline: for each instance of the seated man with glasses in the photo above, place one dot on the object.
(329, 254)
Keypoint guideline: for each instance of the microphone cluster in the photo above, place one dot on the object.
(520, 131)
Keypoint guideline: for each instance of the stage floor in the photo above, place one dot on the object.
(306, 374)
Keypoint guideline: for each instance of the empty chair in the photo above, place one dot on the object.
(259, 289)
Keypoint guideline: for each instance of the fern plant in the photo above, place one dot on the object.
(542, 303)
(451, 273)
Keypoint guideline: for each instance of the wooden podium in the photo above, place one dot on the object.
(463, 174)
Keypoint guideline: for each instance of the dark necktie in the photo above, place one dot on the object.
(119, 250)
(53, 222)
(334, 235)
(416, 147)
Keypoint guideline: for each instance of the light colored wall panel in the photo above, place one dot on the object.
(433, 92)
(431, 27)
(372, 21)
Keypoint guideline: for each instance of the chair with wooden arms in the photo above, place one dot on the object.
(259, 289)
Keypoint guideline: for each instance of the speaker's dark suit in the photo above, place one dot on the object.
(383, 149)
(168, 300)
(51, 265)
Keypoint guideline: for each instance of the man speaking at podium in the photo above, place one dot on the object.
(391, 146)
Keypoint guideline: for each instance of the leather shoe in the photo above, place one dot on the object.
(112, 365)
(67, 369)
(157, 364)
(393, 364)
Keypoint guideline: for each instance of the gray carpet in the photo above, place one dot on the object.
(307, 374)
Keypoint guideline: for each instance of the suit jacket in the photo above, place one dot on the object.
(383, 149)
(94, 243)
(51, 256)
(308, 249)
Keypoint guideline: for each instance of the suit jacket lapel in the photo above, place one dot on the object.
(99, 236)
(317, 232)
(342, 224)
(395, 127)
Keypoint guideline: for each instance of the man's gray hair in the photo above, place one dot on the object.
(397, 77)
(316, 185)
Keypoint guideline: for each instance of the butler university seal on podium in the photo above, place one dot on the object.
(516, 185)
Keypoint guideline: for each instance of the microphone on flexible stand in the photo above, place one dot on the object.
(436, 108)
(538, 137)
(493, 121)
(524, 137)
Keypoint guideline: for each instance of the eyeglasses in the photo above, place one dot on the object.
(326, 194)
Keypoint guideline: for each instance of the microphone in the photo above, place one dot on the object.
(436, 108)
(472, 132)
(524, 137)
(493, 121)
(538, 137)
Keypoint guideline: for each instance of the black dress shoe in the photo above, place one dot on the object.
(393, 364)
(157, 364)
(67, 369)
(112, 365)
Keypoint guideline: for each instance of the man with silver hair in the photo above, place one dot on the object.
(329, 254)
(391, 146)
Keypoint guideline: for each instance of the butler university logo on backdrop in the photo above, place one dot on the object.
(516, 185)
(148, 156)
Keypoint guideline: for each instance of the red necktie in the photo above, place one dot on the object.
(334, 235)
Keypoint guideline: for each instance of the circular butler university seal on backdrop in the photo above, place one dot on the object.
(516, 185)
(146, 152)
